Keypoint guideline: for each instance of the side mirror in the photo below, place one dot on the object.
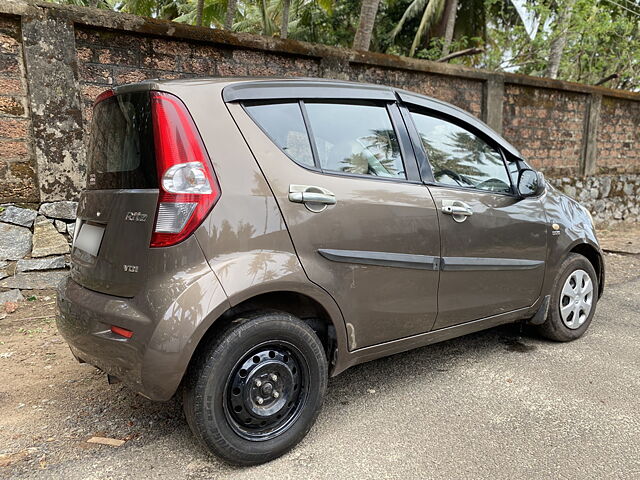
(530, 183)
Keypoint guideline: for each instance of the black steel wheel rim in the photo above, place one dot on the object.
(266, 390)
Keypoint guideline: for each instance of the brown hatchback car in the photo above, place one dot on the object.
(244, 239)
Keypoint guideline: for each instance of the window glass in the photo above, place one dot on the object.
(284, 124)
(121, 151)
(355, 139)
(458, 157)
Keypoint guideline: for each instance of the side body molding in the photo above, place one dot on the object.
(401, 260)
(452, 264)
(429, 262)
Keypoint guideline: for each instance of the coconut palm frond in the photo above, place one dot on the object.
(412, 11)
(431, 15)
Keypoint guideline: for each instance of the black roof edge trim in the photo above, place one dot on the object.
(305, 90)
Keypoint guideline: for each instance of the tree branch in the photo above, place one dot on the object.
(613, 76)
(461, 53)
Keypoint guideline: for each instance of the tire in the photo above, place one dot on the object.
(273, 358)
(563, 324)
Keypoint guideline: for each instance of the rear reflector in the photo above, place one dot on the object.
(188, 186)
(123, 332)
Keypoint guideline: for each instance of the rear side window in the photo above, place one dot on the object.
(356, 139)
(459, 157)
(121, 153)
(283, 123)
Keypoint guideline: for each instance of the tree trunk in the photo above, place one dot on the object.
(368, 12)
(230, 15)
(284, 28)
(199, 8)
(450, 13)
(560, 40)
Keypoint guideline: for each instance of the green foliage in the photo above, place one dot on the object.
(603, 37)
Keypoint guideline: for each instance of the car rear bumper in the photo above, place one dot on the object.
(85, 322)
(165, 333)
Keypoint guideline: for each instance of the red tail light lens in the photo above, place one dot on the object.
(103, 96)
(188, 186)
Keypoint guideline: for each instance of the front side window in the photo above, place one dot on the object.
(356, 139)
(460, 158)
(283, 123)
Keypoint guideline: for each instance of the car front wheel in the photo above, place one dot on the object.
(573, 300)
(256, 390)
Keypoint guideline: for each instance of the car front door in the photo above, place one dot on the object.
(362, 223)
(493, 242)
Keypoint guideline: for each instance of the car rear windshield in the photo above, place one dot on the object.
(121, 146)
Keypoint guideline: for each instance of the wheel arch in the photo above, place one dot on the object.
(323, 317)
(594, 256)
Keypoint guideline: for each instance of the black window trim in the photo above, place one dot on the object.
(422, 102)
(407, 150)
(423, 158)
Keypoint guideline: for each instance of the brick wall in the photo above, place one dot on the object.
(565, 129)
(618, 141)
(462, 92)
(17, 163)
(547, 126)
(107, 58)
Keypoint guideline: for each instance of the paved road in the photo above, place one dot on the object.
(498, 404)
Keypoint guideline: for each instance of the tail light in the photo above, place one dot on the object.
(188, 186)
(103, 96)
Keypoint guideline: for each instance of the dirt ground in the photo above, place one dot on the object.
(50, 406)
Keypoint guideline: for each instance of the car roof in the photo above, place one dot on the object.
(275, 88)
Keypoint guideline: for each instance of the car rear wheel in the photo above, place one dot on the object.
(573, 300)
(256, 390)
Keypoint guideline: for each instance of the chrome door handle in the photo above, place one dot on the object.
(312, 197)
(457, 209)
(316, 199)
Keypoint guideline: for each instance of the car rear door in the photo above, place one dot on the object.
(493, 243)
(364, 226)
(116, 210)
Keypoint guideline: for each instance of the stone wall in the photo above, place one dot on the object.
(34, 247)
(609, 198)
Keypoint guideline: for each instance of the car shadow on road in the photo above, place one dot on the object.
(428, 362)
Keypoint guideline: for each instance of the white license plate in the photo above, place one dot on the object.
(89, 238)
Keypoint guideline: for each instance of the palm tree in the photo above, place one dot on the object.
(440, 19)
(450, 14)
(199, 9)
(368, 12)
(230, 14)
(560, 38)
(284, 27)
(431, 12)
